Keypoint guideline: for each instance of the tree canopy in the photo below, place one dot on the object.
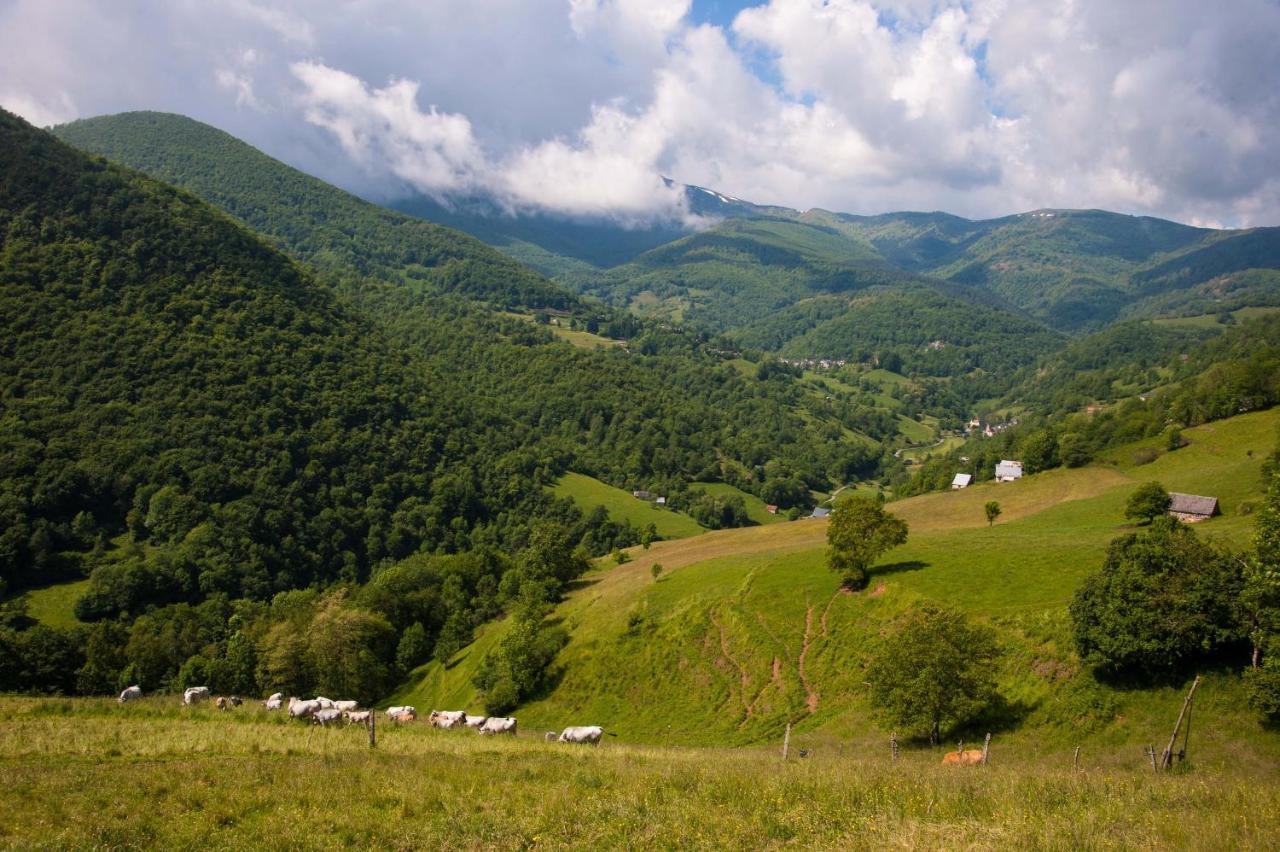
(859, 532)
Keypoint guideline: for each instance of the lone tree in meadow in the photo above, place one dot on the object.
(992, 510)
(1149, 502)
(860, 532)
(934, 672)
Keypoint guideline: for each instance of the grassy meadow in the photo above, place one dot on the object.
(55, 605)
(90, 773)
(746, 630)
(588, 493)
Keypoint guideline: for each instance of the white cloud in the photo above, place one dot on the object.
(981, 107)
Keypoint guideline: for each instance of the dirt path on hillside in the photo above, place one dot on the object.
(811, 694)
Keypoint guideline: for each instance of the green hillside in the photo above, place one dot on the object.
(330, 229)
(167, 371)
(746, 630)
(588, 493)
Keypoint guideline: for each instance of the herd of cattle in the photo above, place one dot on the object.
(325, 711)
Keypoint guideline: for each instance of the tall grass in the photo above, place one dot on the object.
(89, 773)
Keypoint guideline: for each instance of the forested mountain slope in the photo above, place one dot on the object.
(329, 228)
(663, 411)
(164, 369)
(1074, 270)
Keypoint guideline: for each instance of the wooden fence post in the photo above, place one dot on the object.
(893, 745)
(786, 742)
(373, 729)
(1075, 760)
(986, 748)
(1166, 759)
(1150, 752)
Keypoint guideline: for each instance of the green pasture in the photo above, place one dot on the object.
(588, 492)
(88, 773)
(755, 506)
(747, 630)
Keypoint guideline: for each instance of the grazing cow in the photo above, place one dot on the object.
(302, 709)
(195, 694)
(396, 711)
(968, 757)
(447, 718)
(222, 703)
(358, 718)
(130, 694)
(346, 706)
(498, 725)
(236, 701)
(405, 716)
(582, 734)
(474, 721)
(326, 715)
(550, 736)
(275, 702)
(325, 703)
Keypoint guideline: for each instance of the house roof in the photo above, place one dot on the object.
(962, 479)
(820, 513)
(1192, 504)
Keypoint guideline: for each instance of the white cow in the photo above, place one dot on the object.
(582, 734)
(346, 706)
(447, 718)
(358, 718)
(397, 711)
(275, 702)
(498, 725)
(325, 703)
(130, 694)
(474, 721)
(326, 715)
(302, 709)
(195, 694)
(405, 716)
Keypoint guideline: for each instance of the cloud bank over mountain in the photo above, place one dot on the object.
(981, 108)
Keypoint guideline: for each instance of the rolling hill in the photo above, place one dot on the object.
(747, 630)
(1073, 270)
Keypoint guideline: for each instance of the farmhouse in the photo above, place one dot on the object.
(771, 509)
(962, 480)
(642, 495)
(820, 513)
(1008, 471)
(1192, 507)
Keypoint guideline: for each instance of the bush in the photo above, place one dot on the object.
(1147, 503)
(1162, 601)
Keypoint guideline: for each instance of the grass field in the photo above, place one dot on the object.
(746, 629)
(755, 506)
(54, 605)
(588, 493)
(1211, 320)
(87, 773)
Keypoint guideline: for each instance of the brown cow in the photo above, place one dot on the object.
(968, 757)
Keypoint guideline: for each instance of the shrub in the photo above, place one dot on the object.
(1162, 600)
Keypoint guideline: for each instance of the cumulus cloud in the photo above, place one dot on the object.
(980, 107)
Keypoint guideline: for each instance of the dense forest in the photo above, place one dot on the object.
(234, 447)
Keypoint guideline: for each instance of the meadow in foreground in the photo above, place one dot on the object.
(86, 772)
